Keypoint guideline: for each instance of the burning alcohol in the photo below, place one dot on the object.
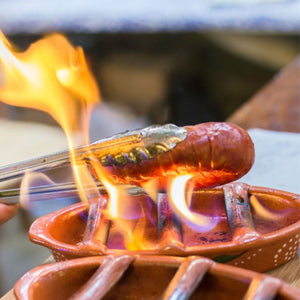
(53, 76)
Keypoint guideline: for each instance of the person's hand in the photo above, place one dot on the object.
(7, 212)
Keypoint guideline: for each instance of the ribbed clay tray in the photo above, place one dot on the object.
(148, 277)
(241, 237)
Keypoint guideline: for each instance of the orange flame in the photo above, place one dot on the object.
(52, 76)
(179, 199)
(117, 210)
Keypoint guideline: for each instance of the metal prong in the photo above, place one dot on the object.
(60, 159)
(57, 191)
(46, 192)
(168, 135)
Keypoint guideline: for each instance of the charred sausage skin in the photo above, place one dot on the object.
(214, 153)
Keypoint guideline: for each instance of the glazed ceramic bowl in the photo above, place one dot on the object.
(128, 277)
(241, 237)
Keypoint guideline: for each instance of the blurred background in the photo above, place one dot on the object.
(183, 62)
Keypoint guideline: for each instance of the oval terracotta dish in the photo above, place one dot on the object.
(244, 236)
(127, 277)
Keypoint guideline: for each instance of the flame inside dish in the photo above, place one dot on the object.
(62, 232)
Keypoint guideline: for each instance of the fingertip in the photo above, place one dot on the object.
(7, 212)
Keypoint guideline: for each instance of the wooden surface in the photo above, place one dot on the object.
(276, 106)
(289, 272)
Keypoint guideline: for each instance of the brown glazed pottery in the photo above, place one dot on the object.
(242, 237)
(148, 277)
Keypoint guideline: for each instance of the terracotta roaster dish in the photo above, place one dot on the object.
(127, 277)
(241, 237)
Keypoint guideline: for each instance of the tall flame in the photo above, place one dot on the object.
(179, 200)
(53, 76)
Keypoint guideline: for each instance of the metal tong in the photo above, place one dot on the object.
(167, 135)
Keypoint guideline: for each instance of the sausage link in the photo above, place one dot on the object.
(214, 153)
